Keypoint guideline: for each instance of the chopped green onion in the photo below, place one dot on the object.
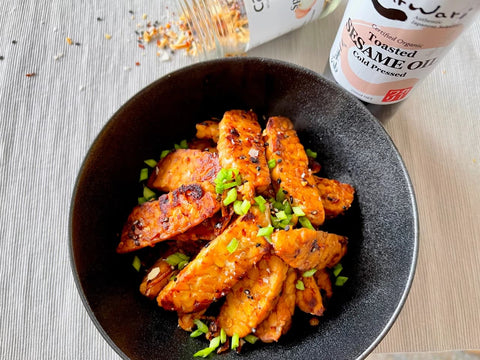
(201, 325)
(298, 211)
(148, 194)
(231, 197)
(280, 196)
(174, 259)
(311, 153)
(309, 273)
(164, 153)
(287, 207)
(278, 205)
(150, 162)
(260, 201)
(252, 339)
(183, 145)
(337, 269)
(232, 246)
(183, 256)
(281, 215)
(141, 200)
(223, 336)
(281, 224)
(245, 207)
(265, 231)
(226, 179)
(340, 280)
(143, 174)
(196, 333)
(300, 285)
(305, 222)
(235, 341)
(136, 263)
(272, 163)
(182, 264)
(215, 342)
(204, 352)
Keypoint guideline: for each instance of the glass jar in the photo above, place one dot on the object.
(222, 28)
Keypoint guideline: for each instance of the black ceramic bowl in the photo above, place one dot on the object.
(352, 147)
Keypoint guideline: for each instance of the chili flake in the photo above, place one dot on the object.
(69, 41)
(30, 74)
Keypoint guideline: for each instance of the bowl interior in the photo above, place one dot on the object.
(352, 147)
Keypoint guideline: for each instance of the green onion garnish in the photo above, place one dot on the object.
(201, 325)
(164, 153)
(309, 273)
(143, 174)
(227, 178)
(300, 285)
(265, 231)
(150, 162)
(241, 207)
(272, 163)
(182, 264)
(183, 145)
(340, 280)
(136, 263)
(337, 269)
(305, 222)
(287, 207)
(141, 200)
(196, 333)
(232, 246)
(280, 196)
(252, 339)
(260, 201)
(235, 341)
(204, 352)
(148, 194)
(298, 211)
(215, 342)
(223, 336)
(177, 259)
(231, 197)
(281, 215)
(311, 153)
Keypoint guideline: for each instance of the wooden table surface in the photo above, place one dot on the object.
(48, 122)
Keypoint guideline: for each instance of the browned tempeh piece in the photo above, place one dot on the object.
(158, 276)
(208, 229)
(171, 214)
(306, 249)
(208, 130)
(322, 277)
(215, 270)
(186, 321)
(203, 145)
(279, 320)
(253, 297)
(240, 146)
(310, 299)
(183, 167)
(336, 197)
(291, 172)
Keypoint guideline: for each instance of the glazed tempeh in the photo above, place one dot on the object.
(253, 297)
(310, 299)
(215, 269)
(306, 249)
(279, 320)
(208, 130)
(168, 216)
(183, 167)
(240, 146)
(291, 172)
(208, 229)
(158, 276)
(336, 197)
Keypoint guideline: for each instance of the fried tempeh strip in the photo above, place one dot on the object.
(183, 167)
(240, 146)
(336, 197)
(291, 172)
(279, 320)
(170, 215)
(208, 130)
(203, 145)
(253, 297)
(306, 249)
(215, 270)
(158, 276)
(208, 229)
(322, 277)
(310, 299)
(186, 321)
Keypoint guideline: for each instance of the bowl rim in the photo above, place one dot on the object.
(268, 61)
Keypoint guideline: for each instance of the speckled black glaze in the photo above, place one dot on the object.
(352, 146)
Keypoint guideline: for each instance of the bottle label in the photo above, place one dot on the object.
(385, 47)
(268, 19)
